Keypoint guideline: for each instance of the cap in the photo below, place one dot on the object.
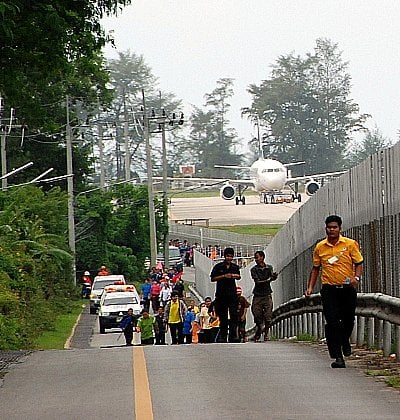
(86, 273)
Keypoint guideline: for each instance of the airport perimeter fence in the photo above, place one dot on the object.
(368, 199)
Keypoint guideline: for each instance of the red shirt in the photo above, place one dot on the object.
(155, 289)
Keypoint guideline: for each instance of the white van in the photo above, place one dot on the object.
(114, 304)
(99, 283)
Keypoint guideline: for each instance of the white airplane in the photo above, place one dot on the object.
(269, 177)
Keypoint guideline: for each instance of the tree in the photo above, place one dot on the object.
(49, 50)
(373, 142)
(113, 229)
(129, 74)
(305, 110)
(211, 141)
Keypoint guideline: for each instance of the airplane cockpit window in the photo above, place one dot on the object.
(270, 170)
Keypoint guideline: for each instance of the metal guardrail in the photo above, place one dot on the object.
(382, 313)
(205, 236)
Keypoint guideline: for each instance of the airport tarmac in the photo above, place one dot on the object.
(226, 213)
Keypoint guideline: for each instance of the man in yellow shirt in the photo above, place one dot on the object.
(174, 315)
(341, 263)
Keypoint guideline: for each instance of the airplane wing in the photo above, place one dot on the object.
(310, 177)
(244, 182)
(231, 167)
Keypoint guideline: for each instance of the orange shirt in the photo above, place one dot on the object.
(337, 261)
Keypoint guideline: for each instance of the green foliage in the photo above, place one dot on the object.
(306, 337)
(129, 74)
(373, 142)
(113, 229)
(304, 109)
(49, 50)
(211, 140)
(56, 336)
(35, 265)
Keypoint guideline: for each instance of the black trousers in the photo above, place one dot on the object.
(128, 333)
(339, 306)
(160, 337)
(223, 305)
(176, 330)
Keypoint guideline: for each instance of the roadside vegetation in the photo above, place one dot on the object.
(36, 280)
(56, 335)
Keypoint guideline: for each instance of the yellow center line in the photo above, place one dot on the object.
(143, 405)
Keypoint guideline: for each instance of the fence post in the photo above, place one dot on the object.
(397, 329)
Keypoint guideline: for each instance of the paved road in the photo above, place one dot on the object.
(273, 380)
(224, 213)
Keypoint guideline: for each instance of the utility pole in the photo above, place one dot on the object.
(5, 128)
(152, 216)
(101, 154)
(160, 122)
(70, 189)
(126, 138)
(165, 190)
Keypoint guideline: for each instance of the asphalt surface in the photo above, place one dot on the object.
(273, 380)
(225, 213)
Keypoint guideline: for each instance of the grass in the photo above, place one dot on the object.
(261, 230)
(393, 381)
(56, 338)
(307, 337)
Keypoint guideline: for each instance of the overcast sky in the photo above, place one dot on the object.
(190, 44)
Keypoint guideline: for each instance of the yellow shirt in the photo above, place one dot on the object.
(337, 261)
(174, 316)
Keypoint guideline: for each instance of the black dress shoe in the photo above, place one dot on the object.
(338, 363)
(346, 347)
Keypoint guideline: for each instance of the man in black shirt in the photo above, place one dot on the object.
(262, 274)
(225, 274)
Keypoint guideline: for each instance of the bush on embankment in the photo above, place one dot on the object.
(35, 265)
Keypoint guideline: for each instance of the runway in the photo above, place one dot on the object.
(225, 213)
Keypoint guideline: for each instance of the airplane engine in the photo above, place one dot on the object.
(311, 187)
(227, 192)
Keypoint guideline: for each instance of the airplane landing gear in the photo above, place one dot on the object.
(240, 198)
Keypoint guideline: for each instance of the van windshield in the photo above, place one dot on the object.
(174, 253)
(101, 284)
(121, 301)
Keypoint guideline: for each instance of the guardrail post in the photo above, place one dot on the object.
(321, 329)
(379, 334)
(371, 333)
(314, 324)
(303, 323)
(309, 323)
(299, 326)
(397, 329)
(360, 331)
(387, 338)
(285, 328)
(353, 338)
